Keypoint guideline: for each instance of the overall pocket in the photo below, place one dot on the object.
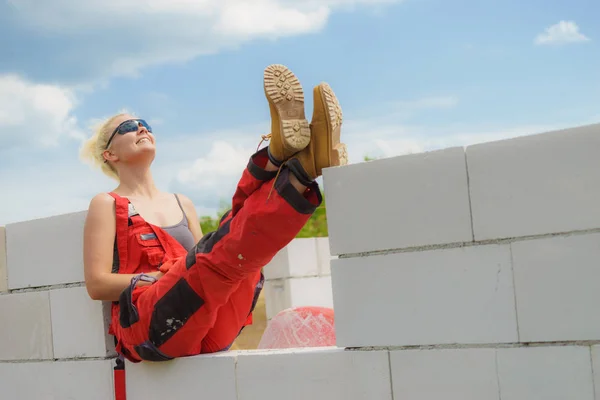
(152, 252)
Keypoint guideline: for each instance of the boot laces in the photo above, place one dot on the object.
(264, 138)
(275, 179)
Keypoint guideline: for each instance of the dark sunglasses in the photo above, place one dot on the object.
(131, 125)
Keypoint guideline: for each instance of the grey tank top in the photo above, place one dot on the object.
(181, 231)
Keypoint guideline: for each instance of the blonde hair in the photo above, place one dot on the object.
(93, 148)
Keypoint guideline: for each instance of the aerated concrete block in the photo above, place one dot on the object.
(25, 326)
(323, 256)
(80, 325)
(449, 374)
(596, 369)
(316, 374)
(64, 380)
(545, 373)
(557, 283)
(282, 294)
(408, 201)
(297, 259)
(46, 251)
(461, 295)
(210, 376)
(532, 185)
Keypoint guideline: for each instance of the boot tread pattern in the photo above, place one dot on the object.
(335, 110)
(282, 85)
(285, 91)
(339, 152)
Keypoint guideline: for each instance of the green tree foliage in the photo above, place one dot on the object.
(316, 226)
(210, 224)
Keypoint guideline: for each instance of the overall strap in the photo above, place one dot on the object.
(122, 227)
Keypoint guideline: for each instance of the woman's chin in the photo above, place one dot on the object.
(143, 154)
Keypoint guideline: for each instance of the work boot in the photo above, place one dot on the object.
(290, 132)
(325, 149)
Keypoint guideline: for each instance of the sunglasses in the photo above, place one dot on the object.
(131, 125)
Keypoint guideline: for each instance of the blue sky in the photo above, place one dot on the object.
(411, 75)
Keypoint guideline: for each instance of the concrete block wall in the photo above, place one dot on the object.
(54, 342)
(435, 295)
(299, 275)
(477, 373)
(462, 274)
(317, 374)
(477, 268)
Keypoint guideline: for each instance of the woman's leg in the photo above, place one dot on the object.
(324, 150)
(290, 132)
(175, 314)
(172, 317)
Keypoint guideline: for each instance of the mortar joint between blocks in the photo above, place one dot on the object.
(595, 384)
(456, 245)
(389, 354)
(287, 278)
(514, 288)
(459, 346)
(469, 197)
(235, 377)
(497, 374)
(45, 288)
(68, 359)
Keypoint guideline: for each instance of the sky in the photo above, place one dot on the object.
(411, 76)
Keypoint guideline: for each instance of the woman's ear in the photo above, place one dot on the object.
(109, 156)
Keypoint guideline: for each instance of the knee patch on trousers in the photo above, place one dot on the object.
(172, 311)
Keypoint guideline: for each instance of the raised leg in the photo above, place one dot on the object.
(202, 302)
(174, 315)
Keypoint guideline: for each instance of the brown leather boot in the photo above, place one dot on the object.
(325, 149)
(290, 131)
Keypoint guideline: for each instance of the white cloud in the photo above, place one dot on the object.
(35, 114)
(218, 171)
(128, 35)
(564, 32)
(265, 18)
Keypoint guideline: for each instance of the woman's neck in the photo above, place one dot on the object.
(137, 183)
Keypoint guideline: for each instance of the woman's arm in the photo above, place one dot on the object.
(192, 217)
(98, 242)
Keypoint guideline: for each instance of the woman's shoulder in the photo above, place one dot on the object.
(101, 201)
(185, 201)
(188, 205)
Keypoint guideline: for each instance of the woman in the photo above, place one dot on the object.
(173, 297)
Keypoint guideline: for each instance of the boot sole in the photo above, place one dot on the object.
(338, 154)
(284, 91)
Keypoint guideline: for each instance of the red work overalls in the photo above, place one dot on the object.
(207, 294)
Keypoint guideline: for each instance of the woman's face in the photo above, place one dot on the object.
(133, 140)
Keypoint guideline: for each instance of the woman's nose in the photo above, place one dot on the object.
(143, 128)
